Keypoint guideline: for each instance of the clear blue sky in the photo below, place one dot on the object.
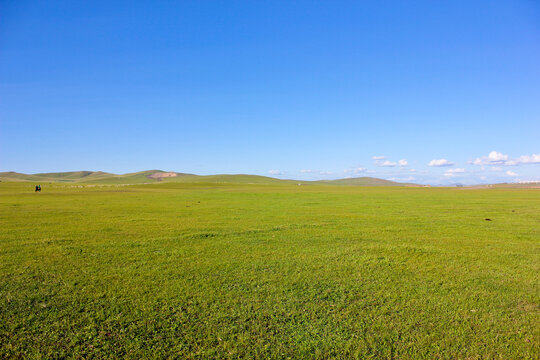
(295, 89)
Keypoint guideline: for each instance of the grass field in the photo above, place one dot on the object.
(209, 270)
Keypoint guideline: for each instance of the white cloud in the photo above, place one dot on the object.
(496, 168)
(325, 172)
(529, 159)
(306, 171)
(275, 172)
(511, 173)
(440, 162)
(387, 163)
(524, 159)
(497, 158)
(412, 170)
(494, 158)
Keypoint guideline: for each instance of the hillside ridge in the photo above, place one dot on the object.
(152, 176)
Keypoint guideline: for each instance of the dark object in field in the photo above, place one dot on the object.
(488, 219)
(38, 188)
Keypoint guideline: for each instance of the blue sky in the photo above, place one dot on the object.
(292, 89)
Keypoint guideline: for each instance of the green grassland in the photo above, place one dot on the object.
(210, 269)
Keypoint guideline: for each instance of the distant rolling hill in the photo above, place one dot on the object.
(154, 176)
(226, 178)
(88, 177)
(72, 176)
(361, 181)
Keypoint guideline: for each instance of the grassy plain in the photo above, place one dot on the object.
(206, 270)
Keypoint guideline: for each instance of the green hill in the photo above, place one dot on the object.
(87, 177)
(361, 181)
(226, 178)
(72, 176)
(154, 176)
(131, 178)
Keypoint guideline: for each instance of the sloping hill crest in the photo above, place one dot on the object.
(151, 176)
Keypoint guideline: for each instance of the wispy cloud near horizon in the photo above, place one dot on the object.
(453, 172)
(497, 158)
(355, 170)
(387, 163)
(440, 162)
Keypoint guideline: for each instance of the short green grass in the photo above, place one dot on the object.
(268, 271)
